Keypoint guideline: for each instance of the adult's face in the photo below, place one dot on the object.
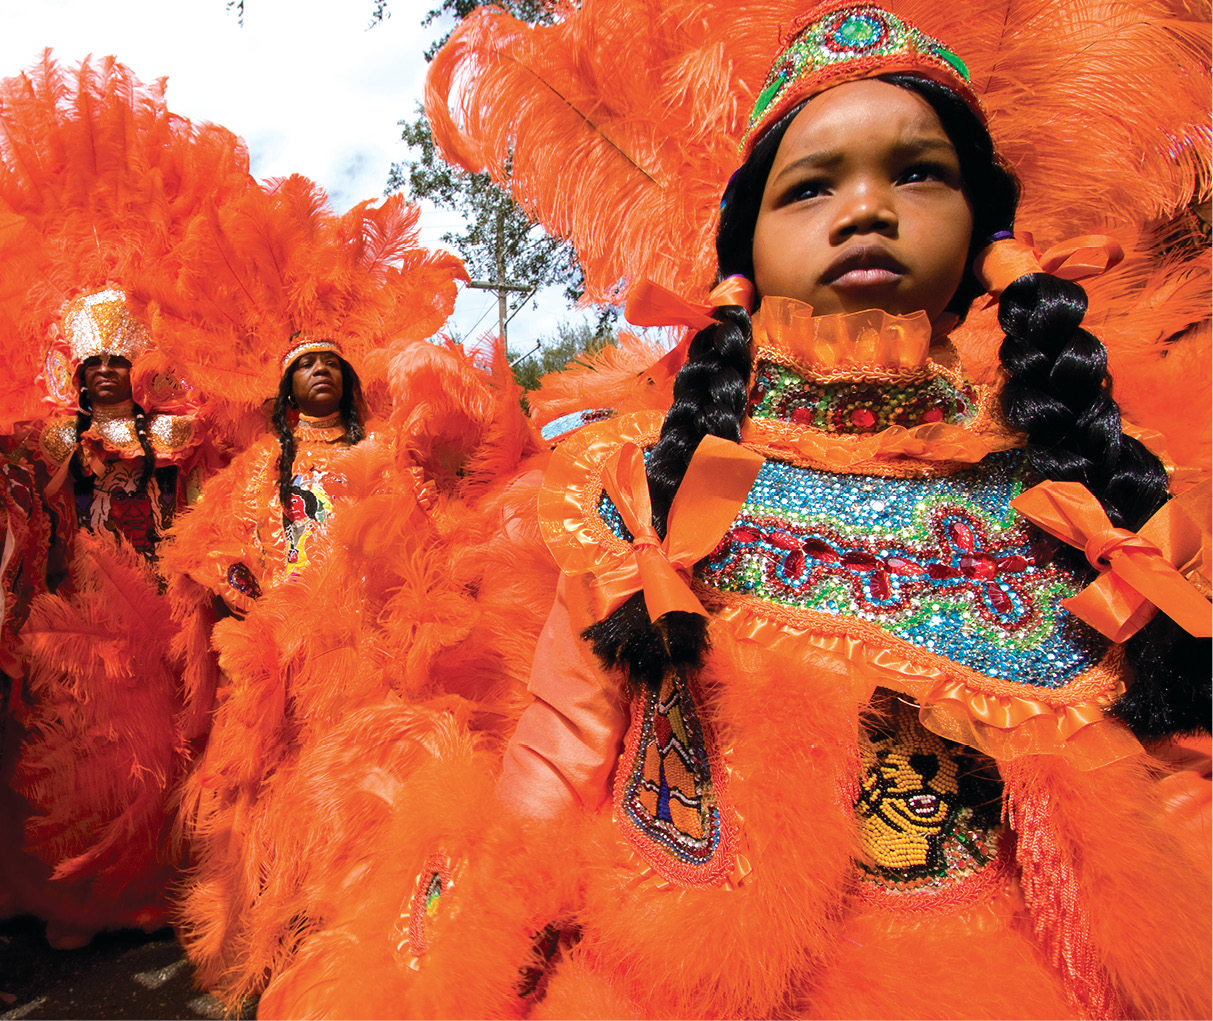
(107, 379)
(317, 384)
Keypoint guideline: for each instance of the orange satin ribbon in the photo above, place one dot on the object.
(1008, 259)
(650, 304)
(714, 488)
(1139, 569)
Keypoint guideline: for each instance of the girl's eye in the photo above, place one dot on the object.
(803, 190)
(922, 172)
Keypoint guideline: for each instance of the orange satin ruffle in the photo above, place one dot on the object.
(992, 717)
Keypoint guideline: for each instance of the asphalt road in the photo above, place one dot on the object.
(118, 975)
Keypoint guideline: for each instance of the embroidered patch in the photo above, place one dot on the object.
(669, 790)
(310, 505)
(928, 809)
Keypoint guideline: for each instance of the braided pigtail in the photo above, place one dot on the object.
(352, 404)
(710, 393)
(145, 443)
(1059, 394)
(286, 439)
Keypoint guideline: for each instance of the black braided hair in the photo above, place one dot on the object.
(1058, 394)
(351, 409)
(84, 419)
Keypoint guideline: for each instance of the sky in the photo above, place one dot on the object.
(308, 84)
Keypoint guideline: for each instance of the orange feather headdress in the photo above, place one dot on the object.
(257, 282)
(618, 126)
(98, 179)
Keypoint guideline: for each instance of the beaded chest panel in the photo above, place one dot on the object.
(668, 790)
(941, 563)
(928, 810)
(783, 394)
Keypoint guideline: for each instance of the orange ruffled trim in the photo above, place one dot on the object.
(871, 345)
(995, 717)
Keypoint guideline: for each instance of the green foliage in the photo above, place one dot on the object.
(571, 341)
(537, 12)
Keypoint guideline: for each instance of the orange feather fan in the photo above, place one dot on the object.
(98, 179)
(250, 274)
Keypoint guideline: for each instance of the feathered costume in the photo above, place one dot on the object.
(99, 179)
(892, 789)
(376, 612)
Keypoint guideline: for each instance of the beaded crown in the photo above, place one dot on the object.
(836, 43)
(100, 323)
(305, 341)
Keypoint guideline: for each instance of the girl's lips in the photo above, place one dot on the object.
(866, 276)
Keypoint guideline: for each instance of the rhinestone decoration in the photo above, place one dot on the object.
(782, 394)
(942, 563)
(100, 323)
(852, 42)
(560, 427)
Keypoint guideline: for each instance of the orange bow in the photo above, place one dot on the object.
(1008, 259)
(1139, 575)
(714, 488)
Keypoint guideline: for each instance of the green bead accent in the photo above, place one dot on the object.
(765, 97)
(857, 31)
(955, 61)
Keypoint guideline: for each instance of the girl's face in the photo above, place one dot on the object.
(863, 207)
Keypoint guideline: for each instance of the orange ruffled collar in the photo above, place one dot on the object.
(875, 348)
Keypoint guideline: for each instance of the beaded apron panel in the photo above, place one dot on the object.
(928, 812)
(941, 563)
(669, 790)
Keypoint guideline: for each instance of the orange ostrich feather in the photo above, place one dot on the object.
(617, 127)
(98, 179)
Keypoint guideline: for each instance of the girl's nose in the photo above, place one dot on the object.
(865, 207)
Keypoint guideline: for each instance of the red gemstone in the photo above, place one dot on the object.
(899, 565)
(794, 565)
(743, 535)
(802, 416)
(941, 572)
(979, 565)
(879, 585)
(819, 550)
(961, 534)
(998, 599)
(662, 730)
(864, 561)
(1012, 564)
(863, 418)
(932, 415)
(783, 541)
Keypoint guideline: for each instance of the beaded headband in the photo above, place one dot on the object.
(845, 42)
(101, 324)
(306, 341)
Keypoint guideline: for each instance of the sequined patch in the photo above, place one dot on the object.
(850, 407)
(241, 579)
(668, 790)
(941, 563)
(560, 427)
(59, 439)
(434, 881)
(928, 809)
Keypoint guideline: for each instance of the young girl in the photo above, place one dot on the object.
(813, 732)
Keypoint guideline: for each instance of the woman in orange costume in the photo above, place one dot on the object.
(99, 178)
(297, 543)
(812, 649)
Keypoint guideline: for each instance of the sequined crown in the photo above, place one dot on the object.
(305, 341)
(837, 43)
(101, 324)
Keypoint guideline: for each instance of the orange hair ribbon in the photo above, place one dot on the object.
(714, 488)
(650, 304)
(1139, 570)
(1008, 259)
